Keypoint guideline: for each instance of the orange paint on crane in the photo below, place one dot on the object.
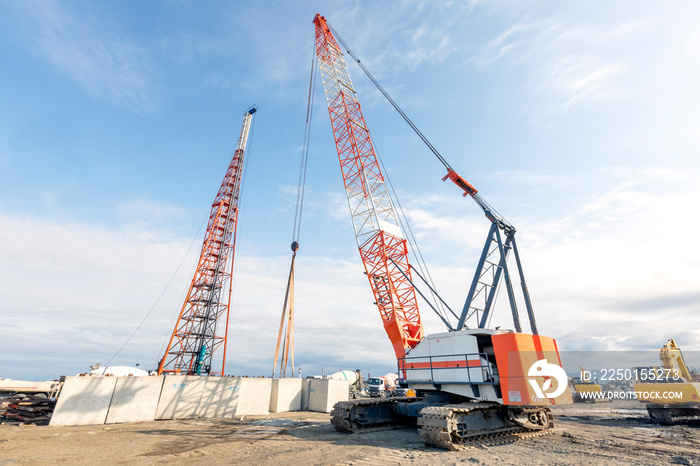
(382, 248)
(516, 354)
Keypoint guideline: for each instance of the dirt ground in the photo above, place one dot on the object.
(610, 433)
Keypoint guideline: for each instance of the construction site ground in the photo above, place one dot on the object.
(605, 433)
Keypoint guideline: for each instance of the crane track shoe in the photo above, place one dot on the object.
(463, 426)
(369, 415)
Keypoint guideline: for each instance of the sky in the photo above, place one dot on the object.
(579, 122)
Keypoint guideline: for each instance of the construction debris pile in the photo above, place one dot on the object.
(26, 408)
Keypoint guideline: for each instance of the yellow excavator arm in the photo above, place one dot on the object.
(672, 358)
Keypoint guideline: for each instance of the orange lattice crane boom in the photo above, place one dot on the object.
(196, 338)
(379, 238)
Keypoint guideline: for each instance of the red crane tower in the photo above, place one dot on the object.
(195, 339)
(382, 246)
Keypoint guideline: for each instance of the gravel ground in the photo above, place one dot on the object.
(609, 433)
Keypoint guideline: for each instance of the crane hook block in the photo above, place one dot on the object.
(295, 246)
(461, 182)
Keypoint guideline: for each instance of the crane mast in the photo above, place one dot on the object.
(195, 339)
(381, 244)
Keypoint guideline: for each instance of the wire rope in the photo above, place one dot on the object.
(301, 186)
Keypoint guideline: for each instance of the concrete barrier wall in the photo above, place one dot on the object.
(254, 398)
(305, 388)
(83, 401)
(219, 397)
(324, 393)
(180, 397)
(285, 395)
(100, 400)
(135, 399)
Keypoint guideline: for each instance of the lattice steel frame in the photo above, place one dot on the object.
(195, 340)
(376, 226)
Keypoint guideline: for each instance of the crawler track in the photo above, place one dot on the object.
(453, 427)
(368, 415)
(460, 427)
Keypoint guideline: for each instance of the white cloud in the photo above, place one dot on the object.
(619, 265)
(74, 292)
(612, 270)
(109, 65)
(515, 44)
(616, 270)
(565, 62)
(691, 49)
(142, 211)
(519, 43)
(425, 33)
(573, 81)
(616, 273)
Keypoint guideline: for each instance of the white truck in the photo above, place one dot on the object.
(382, 386)
(48, 388)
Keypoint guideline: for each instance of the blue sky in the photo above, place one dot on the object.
(579, 122)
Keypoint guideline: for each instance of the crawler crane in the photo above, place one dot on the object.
(472, 384)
